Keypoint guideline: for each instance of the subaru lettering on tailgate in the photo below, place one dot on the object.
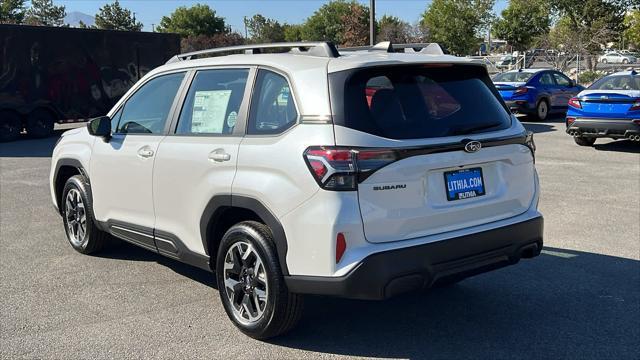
(464, 184)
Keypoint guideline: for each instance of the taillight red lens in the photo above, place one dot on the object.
(340, 168)
(341, 246)
(521, 90)
(575, 103)
(333, 168)
(570, 121)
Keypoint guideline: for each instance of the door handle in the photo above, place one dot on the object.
(219, 155)
(145, 152)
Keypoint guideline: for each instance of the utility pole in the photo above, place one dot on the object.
(246, 35)
(153, 27)
(372, 22)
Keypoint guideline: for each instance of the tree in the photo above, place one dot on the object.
(202, 42)
(292, 32)
(326, 23)
(456, 24)
(115, 17)
(265, 30)
(588, 24)
(44, 13)
(196, 20)
(522, 22)
(391, 28)
(11, 11)
(631, 35)
(355, 26)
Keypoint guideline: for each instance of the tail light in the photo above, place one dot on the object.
(575, 103)
(341, 246)
(635, 106)
(340, 169)
(521, 90)
(570, 121)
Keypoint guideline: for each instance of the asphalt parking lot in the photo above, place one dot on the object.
(579, 299)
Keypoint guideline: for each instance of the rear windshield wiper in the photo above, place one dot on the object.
(473, 129)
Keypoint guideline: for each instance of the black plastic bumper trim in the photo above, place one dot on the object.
(390, 273)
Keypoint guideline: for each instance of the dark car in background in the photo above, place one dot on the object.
(57, 74)
(536, 92)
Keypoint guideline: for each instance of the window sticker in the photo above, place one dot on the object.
(232, 119)
(209, 108)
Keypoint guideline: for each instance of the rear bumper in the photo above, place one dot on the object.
(389, 273)
(520, 106)
(594, 127)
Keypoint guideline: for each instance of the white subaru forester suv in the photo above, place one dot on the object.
(360, 174)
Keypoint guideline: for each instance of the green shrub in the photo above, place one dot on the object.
(588, 77)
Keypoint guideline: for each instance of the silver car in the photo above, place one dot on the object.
(617, 58)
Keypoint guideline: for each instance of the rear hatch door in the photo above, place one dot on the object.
(421, 119)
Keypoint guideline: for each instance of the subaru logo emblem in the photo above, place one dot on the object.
(472, 146)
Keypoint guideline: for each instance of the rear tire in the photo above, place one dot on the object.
(542, 110)
(77, 215)
(604, 61)
(10, 126)
(40, 123)
(584, 141)
(625, 61)
(251, 285)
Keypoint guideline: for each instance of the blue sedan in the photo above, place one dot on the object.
(610, 108)
(536, 92)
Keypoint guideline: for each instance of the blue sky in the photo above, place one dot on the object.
(290, 11)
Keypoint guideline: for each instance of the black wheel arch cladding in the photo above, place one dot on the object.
(219, 204)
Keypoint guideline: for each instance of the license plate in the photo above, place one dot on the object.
(464, 184)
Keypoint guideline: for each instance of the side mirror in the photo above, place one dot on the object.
(100, 126)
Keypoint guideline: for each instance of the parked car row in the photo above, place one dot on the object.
(610, 107)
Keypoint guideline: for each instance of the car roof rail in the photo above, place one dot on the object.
(316, 48)
(387, 46)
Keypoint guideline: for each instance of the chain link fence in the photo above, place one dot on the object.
(582, 68)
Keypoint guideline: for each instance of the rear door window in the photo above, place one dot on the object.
(272, 107)
(415, 102)
(546, 79)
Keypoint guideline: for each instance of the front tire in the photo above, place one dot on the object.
(251, 285)
(77, 215)
(604, 61)
(542, 110)
(625, 61)
(584, 141)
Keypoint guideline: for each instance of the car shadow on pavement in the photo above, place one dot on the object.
(563, 304)
(619, 146)
(27, 147)
(128, 252)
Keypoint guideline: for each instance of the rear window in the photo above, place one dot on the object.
(619, 82)
(416, 102)
(515, 76)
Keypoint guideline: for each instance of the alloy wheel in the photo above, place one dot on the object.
(245, 282)
(76, 217)
(542, 110)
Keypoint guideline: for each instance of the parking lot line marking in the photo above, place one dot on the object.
(558, 254)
